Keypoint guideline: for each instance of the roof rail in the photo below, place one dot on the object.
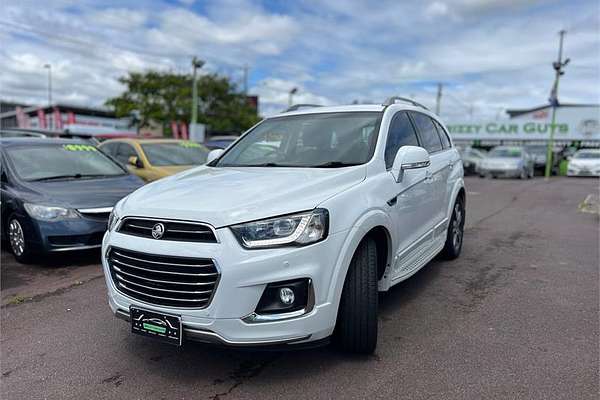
(393, 99)
(299, 106)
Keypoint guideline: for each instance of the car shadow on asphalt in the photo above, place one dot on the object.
(401, 295)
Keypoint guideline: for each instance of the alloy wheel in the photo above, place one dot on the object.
(16, 237)
(457, 226)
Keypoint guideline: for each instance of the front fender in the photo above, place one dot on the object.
(362, 226)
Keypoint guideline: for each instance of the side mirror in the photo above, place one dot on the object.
(407, 158)
(214, 154)
(136, 162)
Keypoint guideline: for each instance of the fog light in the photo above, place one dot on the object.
(286, 295)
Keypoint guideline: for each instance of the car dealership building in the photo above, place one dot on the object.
(576, 125)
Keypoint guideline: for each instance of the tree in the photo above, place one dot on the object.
(166, 96)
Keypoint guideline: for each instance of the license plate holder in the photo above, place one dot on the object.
(166, 328)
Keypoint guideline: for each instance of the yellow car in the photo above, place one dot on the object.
(152, 159)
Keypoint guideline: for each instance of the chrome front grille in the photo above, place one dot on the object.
(163, 280)
(100, 214)
(183, 231)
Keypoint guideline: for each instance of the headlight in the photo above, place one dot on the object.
(288, 230)
(48, 213)
(113, 218)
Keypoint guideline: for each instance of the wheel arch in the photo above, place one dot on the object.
(383, 243)
(457, 190)
(375, 224)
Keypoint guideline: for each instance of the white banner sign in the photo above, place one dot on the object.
(572, 124)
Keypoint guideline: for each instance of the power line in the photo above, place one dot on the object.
(80, 42)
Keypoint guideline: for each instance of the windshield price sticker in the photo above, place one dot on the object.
(79, 147)
(189, 144)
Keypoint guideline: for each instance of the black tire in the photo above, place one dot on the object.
(453, 245)
(23, 254)
(524, 174)
(356, 330)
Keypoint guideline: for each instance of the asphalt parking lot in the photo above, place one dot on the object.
(516, 316)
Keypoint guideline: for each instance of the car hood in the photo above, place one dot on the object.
(82, 193)
(226, 196)
(172, 169)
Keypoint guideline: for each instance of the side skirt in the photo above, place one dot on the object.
(410, 261)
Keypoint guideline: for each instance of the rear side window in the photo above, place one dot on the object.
(401, 133)
(110, 148)
(430, 139)
(443, 135)
(124, 151)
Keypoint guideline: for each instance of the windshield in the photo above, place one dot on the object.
(175, 153)
(67, 161)
(537, 150)
(505, 153)
(309, 140)
(587, 155)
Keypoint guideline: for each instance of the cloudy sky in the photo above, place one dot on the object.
(489, 55)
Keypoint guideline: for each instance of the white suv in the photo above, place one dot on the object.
(287, 236)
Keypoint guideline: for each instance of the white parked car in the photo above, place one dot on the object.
(291, 245)
(585, 162)
(508, 162)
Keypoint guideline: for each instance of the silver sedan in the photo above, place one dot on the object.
(507, 161)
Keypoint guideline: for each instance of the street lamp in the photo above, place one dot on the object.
(196, 64)
(49, 68)
(292, 92)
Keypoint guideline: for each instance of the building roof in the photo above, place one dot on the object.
(516, 112)
(9, 110)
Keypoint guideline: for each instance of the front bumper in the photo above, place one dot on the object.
(66, 235)
(501, 172)
(244, 276)
(581, 172)
(207, 336)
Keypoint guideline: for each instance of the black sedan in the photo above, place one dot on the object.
(56, 195)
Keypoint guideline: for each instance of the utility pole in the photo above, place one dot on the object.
(438, 99)
(245, 68)
(196, 64)
(558, 68)
(49, 68)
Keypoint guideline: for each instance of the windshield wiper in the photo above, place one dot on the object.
(57, 177)
(334, 164)
(73, 176)
(268, 164)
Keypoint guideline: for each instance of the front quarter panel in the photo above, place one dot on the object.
(355, 212)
